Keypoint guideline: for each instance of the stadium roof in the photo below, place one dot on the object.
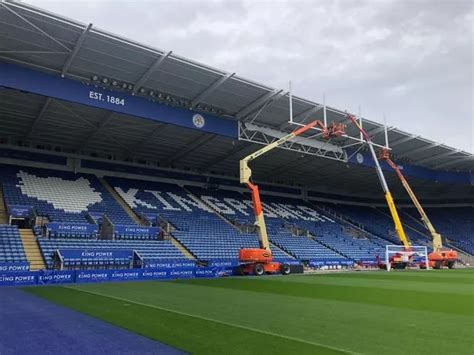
(40, 40)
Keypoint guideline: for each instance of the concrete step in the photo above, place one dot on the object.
(274, 246)
(122, 202)
(182, 248)
(220, 215)
(32, 250)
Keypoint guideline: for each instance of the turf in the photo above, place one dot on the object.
(425, 312)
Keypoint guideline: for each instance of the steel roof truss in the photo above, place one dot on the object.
(437, 156)
(255, 105)
(38, 119)
(153, 134)
(421, 149)
(95, 132)
(158, 62)
(76, 49)
(453, 161)
(259, 137)
(403, 140)
(44, 33)
(211, 89)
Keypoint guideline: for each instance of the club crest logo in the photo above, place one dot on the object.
(360, 158)
(198, 120)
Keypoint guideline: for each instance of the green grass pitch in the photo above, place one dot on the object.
(418, 312)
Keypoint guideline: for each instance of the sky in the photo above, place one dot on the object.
(407, 62)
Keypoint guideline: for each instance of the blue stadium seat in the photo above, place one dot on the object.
(11, 246)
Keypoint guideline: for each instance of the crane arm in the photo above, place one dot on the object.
(388, 195)
(246, 173)
(437, 242)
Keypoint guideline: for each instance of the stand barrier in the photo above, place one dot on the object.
(45, 277)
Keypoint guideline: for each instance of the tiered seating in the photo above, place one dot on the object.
(11, 247)
(327, 231)
(66, 197)
(148, 250)
(60, 196)
(304, 248)
(237, 207)
(456, 225)
(378, 223)
(199, 229)
(332, 235)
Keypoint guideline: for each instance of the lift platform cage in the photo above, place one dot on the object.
(398, 255)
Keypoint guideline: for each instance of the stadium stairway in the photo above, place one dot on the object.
(224, 218)
(318, 240)
(221, 216)
(287, 253)
(415, 221)
(122, 203)
(3, 209)
(32, 250)
(344, 220)
(426, 242)
(182, 248)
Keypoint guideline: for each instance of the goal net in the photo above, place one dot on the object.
(399, 257)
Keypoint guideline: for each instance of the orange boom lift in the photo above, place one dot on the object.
(440, 256)
(259, 260)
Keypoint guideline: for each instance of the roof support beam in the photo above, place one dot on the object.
(453, 161)
(267, 104)
(237, 148)
(150, 71)
(262, 100)
(38, 118)
(33, 52)
(437, 156)
(286, 167)
(421, 149)
(95, 132)
(378, 130)
(210, 89)
(76, 49)
(158, 130)
(35, 27)
(402, 140)
(200, 141)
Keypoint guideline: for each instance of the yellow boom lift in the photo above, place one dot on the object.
(259, 260)
(440, 256)
(399, 260)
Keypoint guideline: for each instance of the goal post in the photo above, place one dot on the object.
(398, 253)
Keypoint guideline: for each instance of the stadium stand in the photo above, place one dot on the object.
(195, 225)
(208, 223)
(456, 225)
(11, 247)
(331, 234)
(377, 222)
(149, 251)
(59, 196)
(282, 215)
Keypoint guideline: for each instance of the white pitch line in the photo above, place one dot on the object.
(215, 321)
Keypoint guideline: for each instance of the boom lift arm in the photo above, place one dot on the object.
(437, 242)
(388, 195)
(333, 130)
